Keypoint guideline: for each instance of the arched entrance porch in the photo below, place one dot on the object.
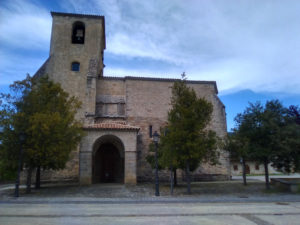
(122, 137)
(108, 160)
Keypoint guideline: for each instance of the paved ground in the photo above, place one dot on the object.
(151, 213)
(211, 203)
(200, 190)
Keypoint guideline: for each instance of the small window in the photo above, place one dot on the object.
(235, 167)
(150, 131)
(75, 66)
(257, 166)
(78, 32)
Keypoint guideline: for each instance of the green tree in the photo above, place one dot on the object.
(294, 113)
(188, 141)
(272, 136)
(237, 146)
(46, 115)
(288, 158)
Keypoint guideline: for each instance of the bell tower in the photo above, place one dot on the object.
(76, 57)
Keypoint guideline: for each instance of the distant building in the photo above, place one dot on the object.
(119, 113)
(251, 168)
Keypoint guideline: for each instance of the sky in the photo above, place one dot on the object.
(250, 48)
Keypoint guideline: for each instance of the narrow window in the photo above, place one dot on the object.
(257, 166)
(235, 167)
(78, 32)
(75, 66)
(150, 131)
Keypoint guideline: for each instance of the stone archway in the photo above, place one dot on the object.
(124, 139)
(108, 160)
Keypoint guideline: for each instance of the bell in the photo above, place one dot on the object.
(79, 33)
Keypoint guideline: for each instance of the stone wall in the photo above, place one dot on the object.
(110, 86)
(70, 173)
(82, 83)
(140, 102)
(63, 52)
(254, 168)
(147, 104)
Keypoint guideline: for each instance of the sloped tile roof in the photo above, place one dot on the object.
(110, 126)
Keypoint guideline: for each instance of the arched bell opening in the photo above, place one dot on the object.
(78, 32)
(108, 160)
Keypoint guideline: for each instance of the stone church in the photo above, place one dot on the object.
(119, 113)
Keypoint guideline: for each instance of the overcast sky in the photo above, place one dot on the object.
(251, 48)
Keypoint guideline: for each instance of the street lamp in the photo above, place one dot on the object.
(156, 140)
(171, 167)
(22, 139)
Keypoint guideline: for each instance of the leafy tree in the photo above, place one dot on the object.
(272, 135)
(46, 115)
(294, 114)
(188, 141)
(237, 146)
(164, 160)
(288, 158)
(9, 135)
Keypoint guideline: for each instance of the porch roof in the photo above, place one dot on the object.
(110, 126)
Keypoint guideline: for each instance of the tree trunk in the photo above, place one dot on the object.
(188, 178)
(244, 171)
(175, 177)
(266, 162)
(28, 182)
(171, 180)
(38, 178)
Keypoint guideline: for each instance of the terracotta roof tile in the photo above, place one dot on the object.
(110, 126)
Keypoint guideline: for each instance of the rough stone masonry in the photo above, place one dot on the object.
(119, 113)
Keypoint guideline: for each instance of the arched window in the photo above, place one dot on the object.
(75, 66)
(78, 33)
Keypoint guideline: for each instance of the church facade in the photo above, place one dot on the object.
(119, 114)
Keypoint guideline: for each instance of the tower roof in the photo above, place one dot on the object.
(77, 15)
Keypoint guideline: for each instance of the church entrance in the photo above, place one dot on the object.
(108, 162)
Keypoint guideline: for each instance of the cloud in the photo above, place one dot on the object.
(15, 66)
(25, 37)
(24, 25)
(240, 44)
(121, 72)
